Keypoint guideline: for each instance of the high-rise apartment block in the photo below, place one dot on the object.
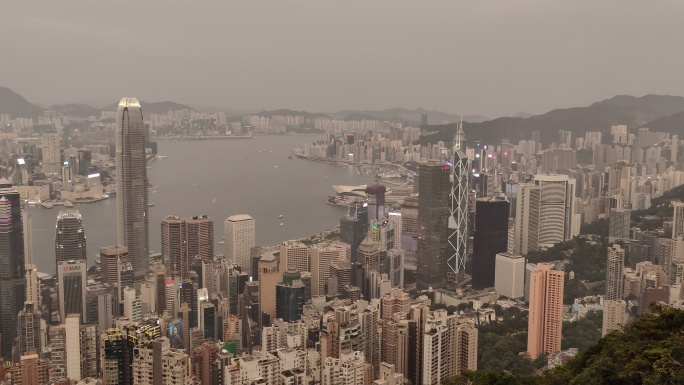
(678, 220)
(240, 238)
(157, 363)
(509, 277)
(448, 348)
(132, 184)
(546, 311)
(619, 224)
(52, 157)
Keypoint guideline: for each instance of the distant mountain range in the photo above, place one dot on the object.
(402, 114)
(658, 112)
(18, 107)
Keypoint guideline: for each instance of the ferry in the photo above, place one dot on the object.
(280, 216)
(68, 204)
(150, 204)
(221, 242)
(281, 223)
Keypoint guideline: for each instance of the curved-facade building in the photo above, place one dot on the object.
(70, 239)
(131, 184)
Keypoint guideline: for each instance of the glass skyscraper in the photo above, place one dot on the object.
(132, 184)
(70, 239)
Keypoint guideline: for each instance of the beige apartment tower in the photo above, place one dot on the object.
(322, 256)
(546, 311)
(131, 185)
(240, 234)
(294, 255)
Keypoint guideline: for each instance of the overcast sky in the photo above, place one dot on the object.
(472, 57)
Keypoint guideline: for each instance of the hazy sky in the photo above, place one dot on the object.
(471, 57)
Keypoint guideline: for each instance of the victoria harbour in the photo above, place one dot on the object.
(219, 178)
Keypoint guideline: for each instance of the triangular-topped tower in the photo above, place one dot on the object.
(458, 209)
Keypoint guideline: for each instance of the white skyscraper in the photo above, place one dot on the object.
(509, 275)
(131, 185)
(545, 213)
(240, 238)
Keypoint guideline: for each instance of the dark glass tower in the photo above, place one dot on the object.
(354, 226)
(490, 237)
(433, 202)
(290, 297)
(12, 280)
(131, 185)
(70, 239)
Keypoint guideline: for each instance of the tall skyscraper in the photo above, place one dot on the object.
(294, 255)
(200, 237)
(51, 152)
(546, 311)
(240, 238)
(290, 297)
(322, 256)
(29, 330)
(490, 237)
(131, 185)
(70, 239)
(433, 246)
(12, 278)
(174, 250)
(545, 213)
(458, 209)
(71, 278)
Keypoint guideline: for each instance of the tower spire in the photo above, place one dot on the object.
(459, 138)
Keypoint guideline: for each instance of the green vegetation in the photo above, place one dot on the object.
(587, 259)
(660, 210)
(650, 351)
(583, 333)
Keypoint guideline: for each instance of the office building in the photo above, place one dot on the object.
(183, 240)
(110, 258)
(269, 276)
(290, 297)
(12, 265)
(433, 245)
(340, 276)
(509, 277)
(490, 237)
(71, 278)
(322, 256)
(294, 255)
(614, 273)
(84, 158)
(207, 320)
(546, 311)
(240, 238)
(618, 224)
(32, 285)
(545, 213)
(131, 185)
(458, 210)
(52, 157)
(70, 239)
(132, 306)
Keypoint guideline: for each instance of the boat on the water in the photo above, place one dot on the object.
(280, 216)
(281, 223)
(150, 204)
(68, 204)
(47, 205)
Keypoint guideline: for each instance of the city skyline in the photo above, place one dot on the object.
(526, 81)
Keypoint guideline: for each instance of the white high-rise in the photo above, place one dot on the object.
(240, 238)
(509, 275)
(545, 213)
(322, 256)
(131, 185)
(51, 152)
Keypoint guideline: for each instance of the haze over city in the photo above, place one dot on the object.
(353, 192)
(485, 58)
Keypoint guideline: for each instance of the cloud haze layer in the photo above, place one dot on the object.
(490, 58)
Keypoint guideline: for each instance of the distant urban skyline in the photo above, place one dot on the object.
(457, 57)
